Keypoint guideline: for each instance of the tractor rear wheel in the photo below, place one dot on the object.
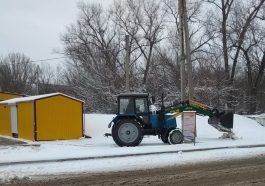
(165, 140)
(127, 132)
(164, 137)
(175, 137)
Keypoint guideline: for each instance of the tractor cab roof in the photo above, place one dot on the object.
(133, 94)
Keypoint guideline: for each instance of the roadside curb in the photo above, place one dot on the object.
(127, 155)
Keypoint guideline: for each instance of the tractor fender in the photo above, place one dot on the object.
(165, 133)
(168, 130)
(125, 116)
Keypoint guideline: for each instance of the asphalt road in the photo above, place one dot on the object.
(234, 172)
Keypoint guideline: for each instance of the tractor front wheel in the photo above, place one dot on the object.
(175, 137)
(127, 132)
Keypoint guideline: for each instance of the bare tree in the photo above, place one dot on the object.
(242, 24)
(95, 71)
(47, 80)
(224, 7)
(235, 20)
(226, 41)
(16, 73)
(144, 22)
(254, 57)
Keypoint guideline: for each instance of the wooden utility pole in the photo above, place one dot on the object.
(188, 50)
(185, 49)
(182, 54)
(127, 61)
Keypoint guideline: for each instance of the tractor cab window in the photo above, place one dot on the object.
(126, 106)
(141, 105)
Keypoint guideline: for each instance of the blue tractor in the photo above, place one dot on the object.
(134, 120)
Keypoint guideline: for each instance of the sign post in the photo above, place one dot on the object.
(189, 126)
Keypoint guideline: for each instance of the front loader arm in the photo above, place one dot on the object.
(222, 121)
(199, 108)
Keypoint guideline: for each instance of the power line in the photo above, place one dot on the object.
(48, 59)
(63, 57)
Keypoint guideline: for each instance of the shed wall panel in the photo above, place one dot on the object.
(6, 96)
(25, 120)
(5, 120)
(58, 117)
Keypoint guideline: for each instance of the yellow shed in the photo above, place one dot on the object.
(8, 95)
(46, 117)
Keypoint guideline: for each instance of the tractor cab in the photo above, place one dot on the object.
(136, 104)
(133, 103)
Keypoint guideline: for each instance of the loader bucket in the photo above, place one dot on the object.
(227, 120)
(222, 121)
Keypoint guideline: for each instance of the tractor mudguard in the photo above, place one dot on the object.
(114, 120)
(110, 123)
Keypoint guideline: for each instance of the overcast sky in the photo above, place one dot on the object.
(33, 27)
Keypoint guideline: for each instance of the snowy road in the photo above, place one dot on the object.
(237, 172)
(128, 155)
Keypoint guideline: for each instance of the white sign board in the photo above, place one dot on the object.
(189, 125)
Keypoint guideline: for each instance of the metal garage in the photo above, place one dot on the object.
(46, 117)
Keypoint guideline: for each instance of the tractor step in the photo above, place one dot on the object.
(107, 135)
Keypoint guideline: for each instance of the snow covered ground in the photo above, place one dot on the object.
(259, 118)
(248, 131)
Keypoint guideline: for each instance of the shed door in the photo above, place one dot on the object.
(14, 119)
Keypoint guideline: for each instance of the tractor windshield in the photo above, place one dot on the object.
(141, 105)
(126, 106)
